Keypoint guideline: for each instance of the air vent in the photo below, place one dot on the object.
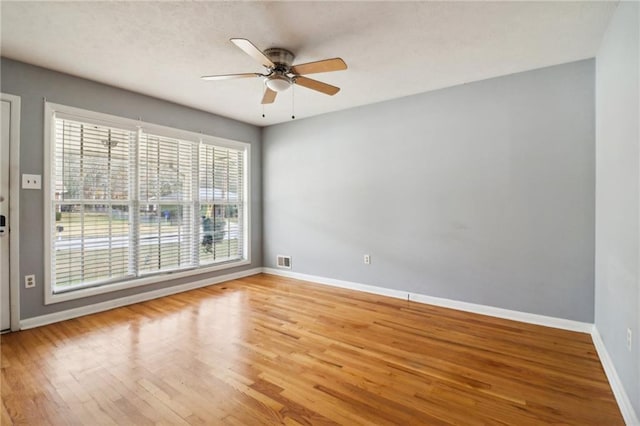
(284, 262)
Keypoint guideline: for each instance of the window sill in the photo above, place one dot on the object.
(51, 298)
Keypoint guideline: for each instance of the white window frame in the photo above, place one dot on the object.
(53, 109)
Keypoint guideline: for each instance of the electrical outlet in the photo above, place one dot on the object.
(367, 259)
(31, 181)
(29, 281)
(629, 339)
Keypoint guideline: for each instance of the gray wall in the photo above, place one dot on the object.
(617, 283)
(33, 84)
(482, 193)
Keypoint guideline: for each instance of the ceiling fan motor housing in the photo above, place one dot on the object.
(280, 57)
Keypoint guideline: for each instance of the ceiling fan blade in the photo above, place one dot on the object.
(316, 85)
(326, 65)
(269, 96)
(251, 50)
(230, 76)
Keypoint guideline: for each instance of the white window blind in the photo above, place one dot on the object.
(166, 214)
(221, 203)
(128, 203)
(91, 203)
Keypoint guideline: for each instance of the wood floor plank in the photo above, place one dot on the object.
(271, 350)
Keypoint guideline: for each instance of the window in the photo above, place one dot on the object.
(130, 202)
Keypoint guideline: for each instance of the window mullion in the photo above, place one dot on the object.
(109, 200)
(195, 197)
(158, 195)
(134, 203)
(82, 205)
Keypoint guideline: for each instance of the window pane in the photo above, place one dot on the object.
(166, 240)
(91, 243)
(221, 174)
(166, 169)
(91, 161)
(221, 236)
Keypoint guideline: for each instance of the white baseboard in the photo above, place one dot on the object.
(543, 320)
(129, 300)
(628, 413)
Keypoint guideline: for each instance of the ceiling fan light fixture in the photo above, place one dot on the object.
(278, 83)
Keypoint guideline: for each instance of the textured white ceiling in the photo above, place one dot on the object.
(393, 49)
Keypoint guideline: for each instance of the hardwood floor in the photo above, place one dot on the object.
(270, 350)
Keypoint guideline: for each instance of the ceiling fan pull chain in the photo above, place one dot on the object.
(293, 110)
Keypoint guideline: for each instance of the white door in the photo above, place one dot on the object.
(5, 303)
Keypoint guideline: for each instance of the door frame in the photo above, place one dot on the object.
(14, 210)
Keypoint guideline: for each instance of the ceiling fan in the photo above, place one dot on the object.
(280, 72)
